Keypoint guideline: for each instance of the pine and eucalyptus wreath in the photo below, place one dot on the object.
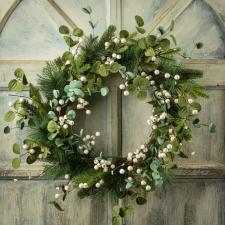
(149, 65)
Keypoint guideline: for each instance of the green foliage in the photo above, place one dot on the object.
(148, 66)
(6, 130)
(9, 116)
(51, 78)
(16, 163)
(139, 21)
(57, 206)
(16, 148)
(64, 30)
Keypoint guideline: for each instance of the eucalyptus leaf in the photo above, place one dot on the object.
(104, 91)
(149, 52)
(9, 116)
(16, 148)
(212, 128)
(6, 130)
(164, 43)
(139, 21)
(15, 85)
(64, 29)
(141, 200)
(52, 126)
(71, 114)
(16, 162)
(140, 30)
(78, 32)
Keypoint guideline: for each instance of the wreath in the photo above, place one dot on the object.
(149, 65)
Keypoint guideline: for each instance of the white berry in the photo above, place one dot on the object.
(116, 40)
(194, 112)
(177, 77)
(66, 187)
(148, 188)
(81, 185)
(10, 104)
(143, 182)
(21, 100)
(190, 100)
(167, 101)
(123, 40)
(97, 185)
(152, 82)
(122, 171)
(97, 134)
(130, 178)
(61, 101)
(83, 78)
(153, 58)
(122, 86)
(71, 122)
(32, 151)
(96, 167)
(86, 151)
(126, 93)
(156, 72)
(130, 168)
(167, 75)
(57, 196)
(88, 111)
(58, 108)
(85, 185)
(114, 55)
(65, 126)
(25, 146)
(67, 176)
(107, 44)
(139, 170)
(118, 56)
(176, 100)
(40, 156)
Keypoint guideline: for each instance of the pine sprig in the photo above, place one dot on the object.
(52, 78)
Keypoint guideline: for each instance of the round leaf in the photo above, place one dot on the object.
(141, 200)
(15, 85)
(71, 114)
(19, 73)
(31, 159)
(150, 52)
(139, 21)
(16, 163)
(212, 128)
(78, 32)
(9, 116)
(64, 29)
(164, 43)
(124, 33)
(52, 126)
(16, 148)
(6, 129)
(104, 91)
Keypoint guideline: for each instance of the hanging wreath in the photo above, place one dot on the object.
(149, 65)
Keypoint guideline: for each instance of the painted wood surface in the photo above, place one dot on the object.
(29, 36)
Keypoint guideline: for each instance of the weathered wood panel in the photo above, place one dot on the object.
(186, 202)
(26, 203)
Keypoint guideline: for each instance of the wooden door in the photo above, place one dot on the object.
(29, 37)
